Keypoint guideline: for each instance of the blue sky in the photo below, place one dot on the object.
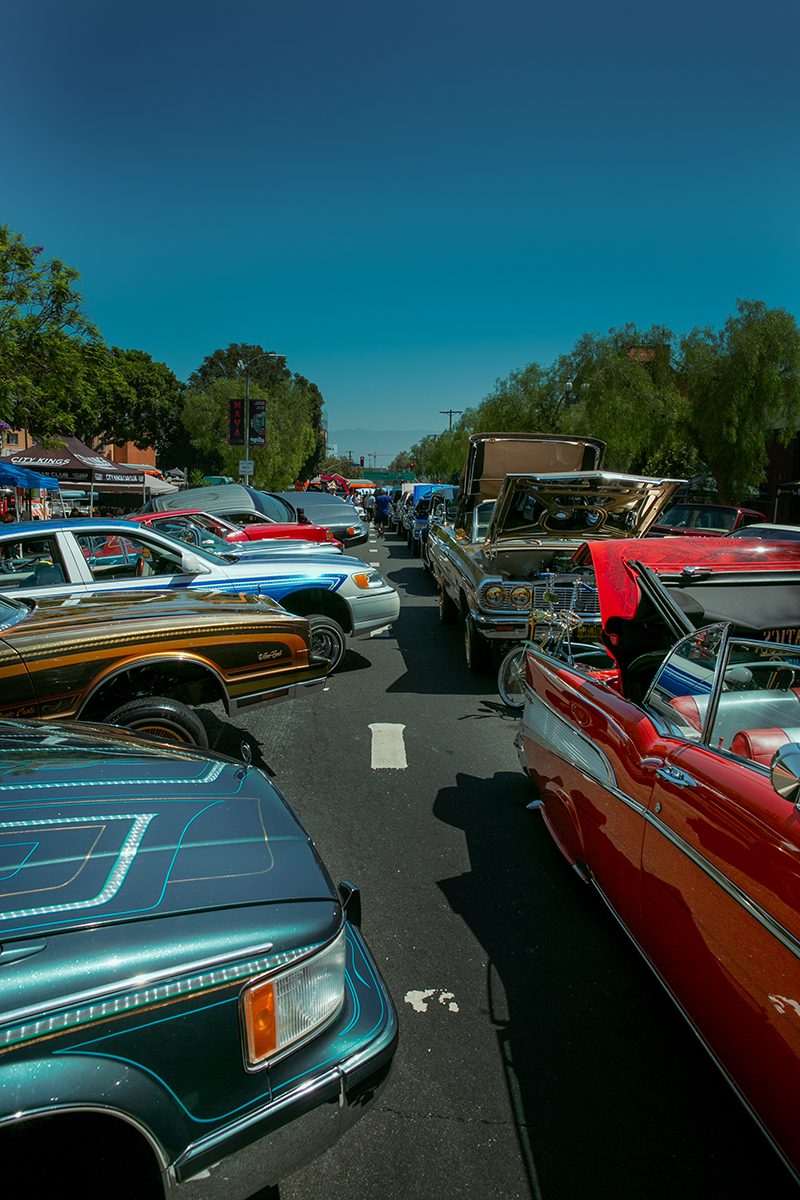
(408, 200)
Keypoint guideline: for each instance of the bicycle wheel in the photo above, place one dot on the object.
(511, 677)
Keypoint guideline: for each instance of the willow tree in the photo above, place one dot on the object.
(743, 384)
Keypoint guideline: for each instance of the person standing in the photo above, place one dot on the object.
(381, 511)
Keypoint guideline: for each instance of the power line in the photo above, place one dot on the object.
(451, 412)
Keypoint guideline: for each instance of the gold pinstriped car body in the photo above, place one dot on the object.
(86, 656)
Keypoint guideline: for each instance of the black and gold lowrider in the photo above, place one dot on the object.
(143, 661)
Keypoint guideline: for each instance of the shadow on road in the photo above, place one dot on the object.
(412, 579)
(594, 1054)
(226, 738)
(434, 656)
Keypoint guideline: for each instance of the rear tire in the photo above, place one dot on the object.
(327, 639)
(477, 650)
(511, 677)
(162, 718)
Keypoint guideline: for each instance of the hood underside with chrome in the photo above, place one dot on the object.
(571, 507)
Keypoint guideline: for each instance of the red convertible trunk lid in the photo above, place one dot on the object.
(618, 590)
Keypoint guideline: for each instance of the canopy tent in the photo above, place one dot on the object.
(75, 463)
(13, 476)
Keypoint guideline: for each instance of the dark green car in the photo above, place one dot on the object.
(187, 1006)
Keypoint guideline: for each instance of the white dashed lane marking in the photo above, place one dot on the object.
(388, 748)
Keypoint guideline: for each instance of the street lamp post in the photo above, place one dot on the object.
(245, 366)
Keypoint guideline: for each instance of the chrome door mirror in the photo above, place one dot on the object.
(785, 772)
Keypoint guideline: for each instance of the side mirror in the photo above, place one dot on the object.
(785, 772)
(192, 565)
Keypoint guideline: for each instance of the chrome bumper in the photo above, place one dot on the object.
(373, 612)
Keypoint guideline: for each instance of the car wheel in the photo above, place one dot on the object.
(448, 611)
(327, 639)
(511, 677)
(161, 717)
(477, 650)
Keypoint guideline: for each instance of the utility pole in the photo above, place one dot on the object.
(451, 412)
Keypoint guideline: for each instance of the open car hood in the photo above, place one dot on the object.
(492, 456)
(572, 507)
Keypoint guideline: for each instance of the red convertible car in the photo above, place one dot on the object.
(238, 533)
(670, 779)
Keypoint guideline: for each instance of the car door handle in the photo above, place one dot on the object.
(676, 777)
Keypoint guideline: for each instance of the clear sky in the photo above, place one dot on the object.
(409, 200)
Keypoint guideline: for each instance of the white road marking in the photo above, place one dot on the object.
(374, 562)
(419, 999)
(388, 748)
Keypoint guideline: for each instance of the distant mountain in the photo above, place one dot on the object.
(385, 444)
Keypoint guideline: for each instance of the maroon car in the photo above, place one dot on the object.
(687, 519)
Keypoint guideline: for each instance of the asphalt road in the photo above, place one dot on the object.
(538, 1057)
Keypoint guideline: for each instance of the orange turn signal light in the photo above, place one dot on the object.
(259, 1014)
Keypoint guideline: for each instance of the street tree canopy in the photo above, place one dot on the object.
(43, 335)
(706, 405)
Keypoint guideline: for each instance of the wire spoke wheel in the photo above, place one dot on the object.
(511, 678)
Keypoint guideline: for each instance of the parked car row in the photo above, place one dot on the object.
(184, 990)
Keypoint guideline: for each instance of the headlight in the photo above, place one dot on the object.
(495, 594)
(369, 579)
(520, 597)
(291, 1005)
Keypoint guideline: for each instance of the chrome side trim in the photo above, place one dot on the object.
(560, 737)
(156, 661)
(768, 922)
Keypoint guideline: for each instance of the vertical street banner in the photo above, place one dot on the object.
(236, 422)
(258, 422)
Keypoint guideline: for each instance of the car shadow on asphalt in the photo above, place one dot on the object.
(433, 655)
(414, 580)
(595, 1056)
(226, 738)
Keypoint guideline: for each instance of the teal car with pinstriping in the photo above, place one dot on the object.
(187, 1005)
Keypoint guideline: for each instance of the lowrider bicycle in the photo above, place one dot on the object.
(671, 782)
(521, 532)
(187, 1005)
(144, 661)
(64, 558)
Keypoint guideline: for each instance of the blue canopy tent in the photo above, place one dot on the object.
(11, 476)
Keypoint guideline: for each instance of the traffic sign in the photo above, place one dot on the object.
(246, 466)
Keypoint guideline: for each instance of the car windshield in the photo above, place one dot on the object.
(195, 535)
(714, 517)
(273, 508)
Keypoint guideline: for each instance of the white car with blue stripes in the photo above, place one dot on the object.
(65, 558)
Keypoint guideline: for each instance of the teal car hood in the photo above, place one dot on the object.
(111, 829)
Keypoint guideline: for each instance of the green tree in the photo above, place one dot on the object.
(623, 389)
(43, 335)
(290, 435)
(742, 383)
(289, 397)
